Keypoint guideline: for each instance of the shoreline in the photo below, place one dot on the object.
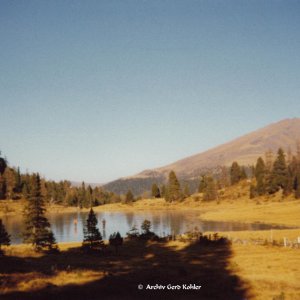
(263, 211)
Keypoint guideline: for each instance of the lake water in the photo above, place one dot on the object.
(68, 227)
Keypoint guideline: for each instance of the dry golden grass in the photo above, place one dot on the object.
(268, 235)
(270, 270)
(265, 271)
(281, 213)
(33, 281)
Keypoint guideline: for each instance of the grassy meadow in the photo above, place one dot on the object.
(241, 270)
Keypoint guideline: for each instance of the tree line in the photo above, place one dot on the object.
(281, 174)
(14, 185)
(267, 177)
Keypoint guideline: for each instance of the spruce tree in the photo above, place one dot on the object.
(235, 173)
(155, 192)
(37, 229)
(297, 186)
(292, 171)
(3, 164)
(260, 174)
(243, 174)
(18, 182)
(210, 192)
(146, 226)
(2, 187)
(4, 236)
(279, 175)
(173, 191)
(163, 191)
(116, 241)
(92, 236)
(129, 197)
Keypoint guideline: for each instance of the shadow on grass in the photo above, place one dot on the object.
(139, 263)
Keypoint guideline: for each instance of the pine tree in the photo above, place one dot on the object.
(243, 174)
(292, 170)
(163, 190)
(133, 232)
(210, 192)
(3, 164)
(2, 187)
(235, 173)
(173, 191)
(155, 191)
(297, 186)
(260, 174)
(92, 236)
(129, 197)
(26, 186)
(4, 236)
(279, 175)
(146, 226)
(116, 241)
(18, 182)
(37, 227)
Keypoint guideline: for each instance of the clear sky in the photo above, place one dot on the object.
(96, 90)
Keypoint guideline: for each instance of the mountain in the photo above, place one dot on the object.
(245, 150)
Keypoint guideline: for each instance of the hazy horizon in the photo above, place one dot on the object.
(100, 90)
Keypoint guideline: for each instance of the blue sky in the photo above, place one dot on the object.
(96, 90)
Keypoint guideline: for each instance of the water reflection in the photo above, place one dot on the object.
(68, 227)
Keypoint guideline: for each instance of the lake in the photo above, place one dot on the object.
(68, 227)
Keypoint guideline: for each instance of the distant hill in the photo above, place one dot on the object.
(245, 150)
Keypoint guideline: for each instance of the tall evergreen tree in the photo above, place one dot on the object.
(210, 192)
(163, 192)
(129, 197)
(297, 186)
(279, 175)
(243, 174)
(4, 236)
(3, 164)
(155, 192)
(173, 191)
(146, 226)
(260, 174)
(292, 170)
(116, 240)
(37, 227)
(235, 173)
(2, 187)
(92, 236)
(18, 181)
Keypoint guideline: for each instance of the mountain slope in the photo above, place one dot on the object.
(245, 150)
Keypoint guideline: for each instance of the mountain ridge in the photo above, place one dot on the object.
(244, 149)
